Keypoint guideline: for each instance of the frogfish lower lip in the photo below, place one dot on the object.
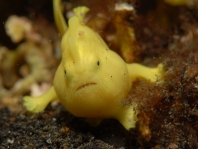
(85, 85)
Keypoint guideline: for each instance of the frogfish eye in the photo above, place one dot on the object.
(98, 63)
(65, 72)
